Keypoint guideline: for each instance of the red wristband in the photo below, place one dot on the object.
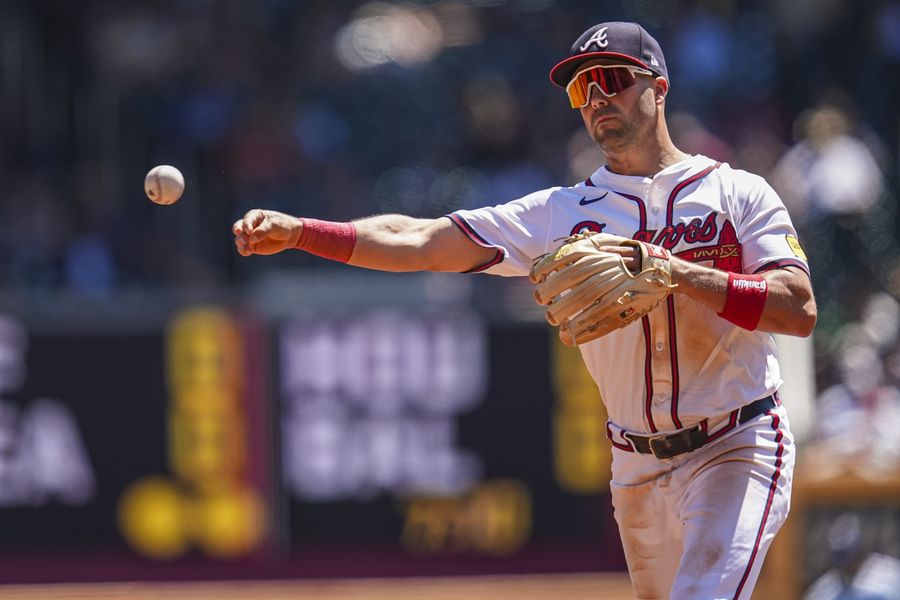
(745, 300)
(327, 239)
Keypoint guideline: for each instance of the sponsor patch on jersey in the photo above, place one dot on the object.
(794, 243)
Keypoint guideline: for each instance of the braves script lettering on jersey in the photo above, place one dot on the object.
(681, 365)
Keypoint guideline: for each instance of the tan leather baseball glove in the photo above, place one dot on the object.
(590, 292)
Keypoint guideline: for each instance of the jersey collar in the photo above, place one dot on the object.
(606, 178)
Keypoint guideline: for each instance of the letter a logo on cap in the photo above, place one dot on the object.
(598, 38)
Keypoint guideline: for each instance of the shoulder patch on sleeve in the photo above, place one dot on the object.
(794, 243)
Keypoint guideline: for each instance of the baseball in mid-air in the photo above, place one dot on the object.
(164, 184)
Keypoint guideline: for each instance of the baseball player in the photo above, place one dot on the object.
(703, 455)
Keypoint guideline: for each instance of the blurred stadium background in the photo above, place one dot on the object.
(171, 412)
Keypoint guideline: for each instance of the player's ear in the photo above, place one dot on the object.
(660, 89)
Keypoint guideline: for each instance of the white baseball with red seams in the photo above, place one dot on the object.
(682, 364)
(164, 184)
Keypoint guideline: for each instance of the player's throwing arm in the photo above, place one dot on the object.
(386, 243)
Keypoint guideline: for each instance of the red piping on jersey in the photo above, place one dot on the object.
(589, 182)
(648, 373)
(732, 423)
(626, 447)
(498, 258)
(673, 343)
(642, 209)
(648, 352)
(673, 353)
(470, 233)
(682, 185)
(772, 488)
(780, 264)
(468, 230)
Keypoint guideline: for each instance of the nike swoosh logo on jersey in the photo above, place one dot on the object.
(584, 201)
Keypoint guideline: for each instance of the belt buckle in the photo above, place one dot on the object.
(670, 446)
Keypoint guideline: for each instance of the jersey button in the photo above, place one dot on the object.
(659, 346)
(655, 210)
(659, 398)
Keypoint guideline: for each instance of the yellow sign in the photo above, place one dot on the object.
(582, 454)
(207, 502)
(493, 518)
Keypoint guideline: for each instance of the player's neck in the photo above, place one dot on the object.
(644, 158)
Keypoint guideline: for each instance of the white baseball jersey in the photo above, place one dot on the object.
(681, 363)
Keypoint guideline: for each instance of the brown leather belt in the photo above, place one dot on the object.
(688, 440)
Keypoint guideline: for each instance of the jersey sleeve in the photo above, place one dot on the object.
(517, 229)
(766, 233)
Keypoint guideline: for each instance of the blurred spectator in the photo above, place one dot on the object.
(89, 267)
(856, 574)
(833, 185)
(830, 172)
(859, 415)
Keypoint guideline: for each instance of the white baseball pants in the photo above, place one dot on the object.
(698, 526)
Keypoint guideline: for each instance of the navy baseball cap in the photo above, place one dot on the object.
(628, 42)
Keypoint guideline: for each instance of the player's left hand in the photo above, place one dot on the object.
(615, 244)
(631, 255)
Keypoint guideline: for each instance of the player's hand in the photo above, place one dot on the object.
(617, 244)
(266, 232)
(630, 254)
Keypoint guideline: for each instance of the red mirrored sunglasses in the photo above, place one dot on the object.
(609, 79)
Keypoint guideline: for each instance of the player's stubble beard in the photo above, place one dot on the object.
(624, 133)
(615, 136)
